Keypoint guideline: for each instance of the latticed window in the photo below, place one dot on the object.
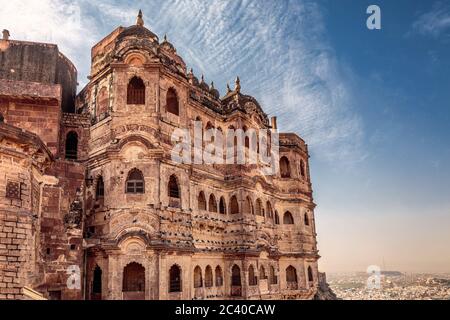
(273, 277)
(212, 204)
(201, 201)
(252, 280)
(136, 91)
(236, 276)
(234, 205)
(13, 190)
(198, 281)
(135, 182)
(208, 277)
(291, 274)
(219, 277)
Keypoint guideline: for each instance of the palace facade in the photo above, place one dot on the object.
(92, 205)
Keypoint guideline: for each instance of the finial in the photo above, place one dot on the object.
(228, 88)
(203, 78)
(165, 37)
(140, 20)
(212, 84)
(238, 85)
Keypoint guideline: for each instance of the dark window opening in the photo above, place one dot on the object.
(97, 282)
(100, 190)
(236, 276)
(285, 168)
(175, 279)
(133, 278)
(234, 205)
(222, 206)
(72, 146)
(208, 277)
(136, 91)
(201, 201)
(252, 280)
(212, 204)
(288, 219)
(172, 102)
(174, 190)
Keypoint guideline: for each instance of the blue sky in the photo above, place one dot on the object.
(372, 105)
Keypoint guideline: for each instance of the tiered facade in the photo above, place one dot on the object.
(93, 206)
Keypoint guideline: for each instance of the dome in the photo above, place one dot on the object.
(168, 46)
(138, 31)
(214, 92)
(204, 85)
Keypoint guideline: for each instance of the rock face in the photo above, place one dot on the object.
(324, 292)
(94, 206)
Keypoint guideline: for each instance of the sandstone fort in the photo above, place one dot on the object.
(92, 205)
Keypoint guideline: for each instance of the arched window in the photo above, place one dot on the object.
(222, 206)
(310, 274)
(135, 182)
(198, 281)
(212, 205)
(273, 276)
(288, 219)
(72, 146)
(285, 168)
(208, 277)
(136, 91)
(262, 273)
(234, 205)
(219, 277)
(236, 276)
(172, 102)
(133, 278)
(100, 188)
(277, 218)
(201, 201)
(175, 279)
(291, 275)
(174, 189)
(252, 280)
(303, 169)
(269, 210)
(248, 207)
(97, 284)
(306, 219)
(259, 209)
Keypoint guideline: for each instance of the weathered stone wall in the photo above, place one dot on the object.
(40, 116)
(39, 63)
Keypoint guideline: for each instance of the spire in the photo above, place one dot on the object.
(237, 87)
(212, 85)
(165, 37)
(228, 88)
(6, 35)
(140, 20)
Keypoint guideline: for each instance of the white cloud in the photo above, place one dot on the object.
(434, 22)
(278, 48)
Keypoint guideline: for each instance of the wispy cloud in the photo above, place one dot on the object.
(435, 22)
(279, 49)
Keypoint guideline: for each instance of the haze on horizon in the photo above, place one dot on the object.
(372, 105)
